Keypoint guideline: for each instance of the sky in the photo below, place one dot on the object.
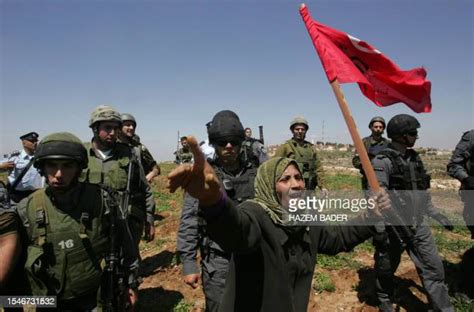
(174, 64)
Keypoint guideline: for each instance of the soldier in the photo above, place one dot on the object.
(23, 179)
(183, 155)
(110, 163)
(303, 152)
(236, 175)
(127, 135)
(461, 167)
(373, 144)
(253, 149)
(67, 229)
(399, 167)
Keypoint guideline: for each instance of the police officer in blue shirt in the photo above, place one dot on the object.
(23, 178)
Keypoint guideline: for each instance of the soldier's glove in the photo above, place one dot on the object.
(468, 183)
(444, 221)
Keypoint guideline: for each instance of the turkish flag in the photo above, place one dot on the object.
(349, 59)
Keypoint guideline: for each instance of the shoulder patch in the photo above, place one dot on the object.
(379, 169)
(12, 154)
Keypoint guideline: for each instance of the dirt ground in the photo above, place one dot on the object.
(163, 289)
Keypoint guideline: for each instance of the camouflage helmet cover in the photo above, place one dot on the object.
(104, 113)
(128, 117)
(401, 124)
(299, 121)
(61, 145)
(377, 119)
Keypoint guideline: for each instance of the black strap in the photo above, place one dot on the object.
(22, 174)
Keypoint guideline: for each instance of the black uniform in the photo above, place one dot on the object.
(461, 167)
(192, 235)
(405, 177)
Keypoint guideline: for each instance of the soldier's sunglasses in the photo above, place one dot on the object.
(413, 133)
(222, 142)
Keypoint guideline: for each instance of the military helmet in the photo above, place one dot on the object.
(377, 119)
(299, 121)
(104, 113)
(128, 117)
(225, 123)
(401, 124)
(61, 145)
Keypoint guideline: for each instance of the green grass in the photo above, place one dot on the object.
(366, 246)
(462, 304)
(182, 306)
(343, 182)
(339, 261)
(448, 245)
(323, 282)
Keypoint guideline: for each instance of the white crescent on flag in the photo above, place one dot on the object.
(356, 43)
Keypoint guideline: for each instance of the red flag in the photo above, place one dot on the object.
(349, 59)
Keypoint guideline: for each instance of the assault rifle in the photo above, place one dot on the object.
(114, 285)
(113, 278)
(260, 130)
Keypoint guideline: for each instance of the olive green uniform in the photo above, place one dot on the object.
(307, 159)
(146, 159)
(113, 172)
(66, 243)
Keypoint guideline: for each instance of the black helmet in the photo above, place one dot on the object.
(61, 145)
(225, 123)
(402, 124)
(377, 119)
(128, 117)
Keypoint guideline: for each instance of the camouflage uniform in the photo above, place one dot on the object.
(183, 156)
(461, 167)
(306, 157)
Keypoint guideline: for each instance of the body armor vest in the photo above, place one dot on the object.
(306, 158)
(113, 173)
(238, 189)
(66, 250)
(407, 175)
(373, 150)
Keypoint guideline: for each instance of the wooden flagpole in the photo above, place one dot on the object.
(359, 145)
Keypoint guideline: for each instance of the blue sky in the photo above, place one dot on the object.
(174, 64)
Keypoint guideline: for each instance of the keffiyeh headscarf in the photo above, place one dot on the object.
(266, 196)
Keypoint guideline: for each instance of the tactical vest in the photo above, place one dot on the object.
(404, 176)
(238, 190)
(306, 158)
(373, 150)
(65, 254)
(113, 173)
